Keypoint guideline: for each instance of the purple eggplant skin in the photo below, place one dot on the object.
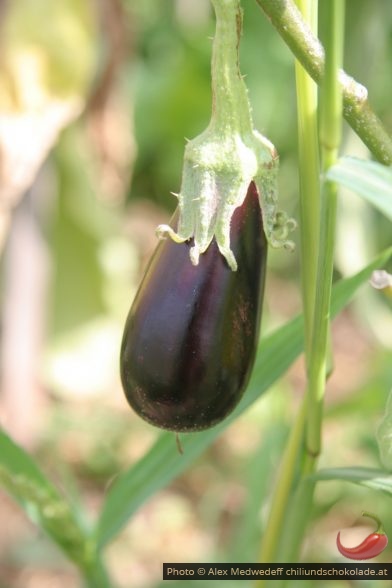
(191, 335)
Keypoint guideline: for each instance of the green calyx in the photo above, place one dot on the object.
(220, 163)
(380, 528)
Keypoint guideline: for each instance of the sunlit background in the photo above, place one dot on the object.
(96, 100)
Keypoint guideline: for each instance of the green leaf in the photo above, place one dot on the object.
(20, 476)
(369, 179)
(163, 463)
(368, 477)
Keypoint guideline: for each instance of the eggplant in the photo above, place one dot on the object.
(191, 335)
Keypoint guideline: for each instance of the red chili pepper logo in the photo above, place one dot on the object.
(373, 545)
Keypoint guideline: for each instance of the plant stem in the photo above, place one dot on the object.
(287, 19)
(296, 521)
(309, 174)
(230, 104)
(309, 223)
(316, 294)
(95, 575)
(288, 467)
(310, 220)
(330, 136)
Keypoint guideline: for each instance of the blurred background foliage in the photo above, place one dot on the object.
(96, 100)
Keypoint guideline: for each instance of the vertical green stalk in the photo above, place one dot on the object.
(330, 135)
(317, 247)
(309, 168)
(282, 492)
(308, 148)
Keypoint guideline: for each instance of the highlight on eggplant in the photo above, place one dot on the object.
(191, 335)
